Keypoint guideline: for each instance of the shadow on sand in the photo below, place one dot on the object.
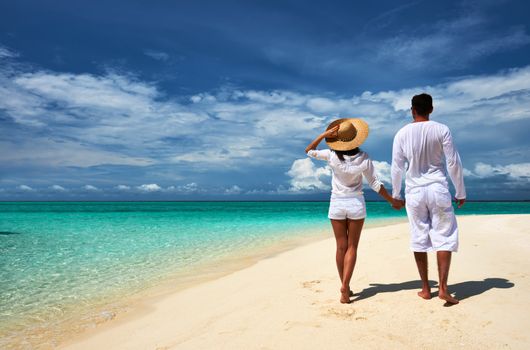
(461, 291)
(469, 289)
(376, 288)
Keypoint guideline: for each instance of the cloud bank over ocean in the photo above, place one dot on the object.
(117, 131)
(55, 120)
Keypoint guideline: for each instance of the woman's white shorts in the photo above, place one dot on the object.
(353, 208)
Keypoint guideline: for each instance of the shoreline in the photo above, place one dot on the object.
(239, 262)
(115, 308)
(152, 313)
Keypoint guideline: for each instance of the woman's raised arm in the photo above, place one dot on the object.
(328, 133)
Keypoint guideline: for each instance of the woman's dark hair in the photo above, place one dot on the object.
(422, 103)
(351, 152)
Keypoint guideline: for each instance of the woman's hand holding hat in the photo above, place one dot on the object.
(352, 132)
(332, 132)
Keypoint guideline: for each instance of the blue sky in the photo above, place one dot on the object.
(171, 100)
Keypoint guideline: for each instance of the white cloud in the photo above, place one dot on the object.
(191, 187)
(115, 92)
(203, 97)
(274, 123)
(157, 55)
(25, 188)
(149, 188)
(382, 169)
(91, 188)
(235, 189)
(7, 53)
(322, 104)
(87, 112)
(489, 99)
(47, 151)
(468, 172)
(518, 172)
(278, 190)
(195, 99)
(58, 188)
(123, 187)
(119, 110)
(116, 119)
(306, 177)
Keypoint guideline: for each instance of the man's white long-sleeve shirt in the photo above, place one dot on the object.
(423, 146)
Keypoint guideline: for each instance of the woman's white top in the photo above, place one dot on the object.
(347, 176)
(424, 145)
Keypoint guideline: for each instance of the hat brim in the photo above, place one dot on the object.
(362, 133)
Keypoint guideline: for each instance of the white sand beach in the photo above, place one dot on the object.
(291, 300)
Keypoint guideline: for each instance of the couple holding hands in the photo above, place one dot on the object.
(420, 148)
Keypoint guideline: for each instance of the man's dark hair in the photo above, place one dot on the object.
(422, 103)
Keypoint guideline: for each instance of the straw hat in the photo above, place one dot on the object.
(351, 134)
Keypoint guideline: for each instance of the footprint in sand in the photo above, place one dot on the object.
(445, 324)
(343, 314)
(312, 286)
(290, 324)
(487, 323)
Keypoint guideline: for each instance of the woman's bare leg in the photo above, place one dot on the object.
(340, 229)
(354, 234)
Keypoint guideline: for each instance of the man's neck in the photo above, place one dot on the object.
(420, 118)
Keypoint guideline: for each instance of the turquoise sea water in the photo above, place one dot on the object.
(65, 262)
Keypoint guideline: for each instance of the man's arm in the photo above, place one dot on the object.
(454, 167)
(397, 168)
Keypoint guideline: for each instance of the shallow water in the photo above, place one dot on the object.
(66, 260)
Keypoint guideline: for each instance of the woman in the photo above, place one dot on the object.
(347, 208)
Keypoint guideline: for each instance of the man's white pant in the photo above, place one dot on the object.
(432, 219)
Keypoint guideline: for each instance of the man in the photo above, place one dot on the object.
(422, 145)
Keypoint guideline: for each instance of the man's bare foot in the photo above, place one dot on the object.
(447, 297)
(425, 294)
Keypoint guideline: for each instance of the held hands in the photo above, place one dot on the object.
(460, 202)
(397, 203)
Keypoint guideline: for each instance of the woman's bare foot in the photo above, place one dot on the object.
(345, 296)
(425, 294)
(447, 297)
(349, 291)
(345, 299)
